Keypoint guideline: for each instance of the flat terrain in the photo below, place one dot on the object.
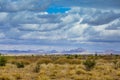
(61, 67)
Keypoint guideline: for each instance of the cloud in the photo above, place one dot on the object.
(39, 27)
(2, 35)
(115, 25)
(78, 25)
(104, 33)
(98, 19)
(26, 17)
(89, 3)
(28, 22)
(21, 5)
(3, 16)
(94, 16)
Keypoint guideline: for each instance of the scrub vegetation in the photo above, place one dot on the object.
(60, 67)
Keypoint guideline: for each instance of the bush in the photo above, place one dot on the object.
(74, 61)
(20, 65)
(61, 61)
(25, 62)
(17, 76)
(37, 68)
(44, 61)
(89, 64)
(4, 78)
(43, 77)
(3, 61)
(69, 57)
(116, 64)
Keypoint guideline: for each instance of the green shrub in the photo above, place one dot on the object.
(3, 61)
(89, 64)
(76, 56)
(69, 56)
(20, 65)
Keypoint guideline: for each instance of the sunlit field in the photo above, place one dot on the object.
(60, 67)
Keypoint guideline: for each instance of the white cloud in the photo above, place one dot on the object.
(20, 5)
(43, 35)
(29, 26)
(3, 16)
(70, 18)
(71, 26)
(2, 35)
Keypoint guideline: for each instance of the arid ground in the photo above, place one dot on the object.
(60, 67)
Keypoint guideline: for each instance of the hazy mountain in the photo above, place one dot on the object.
(78, 50)
(71, 51)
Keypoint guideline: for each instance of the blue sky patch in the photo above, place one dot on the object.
(56, 9)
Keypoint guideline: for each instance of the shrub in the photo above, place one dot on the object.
(4, 78)
(44, 61)
(17, 76)
(13, 62)
(20, 65)
(76, 56)
(80, 71)
(74, 61)
(61, 61)
(89, 64)
(25, 62)
(3, 61)
(69, 56)
(116, 64)
(43, 77)
(37, 68)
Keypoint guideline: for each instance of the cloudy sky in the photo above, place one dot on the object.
(60, 24)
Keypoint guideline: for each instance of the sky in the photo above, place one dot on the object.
(60, 24)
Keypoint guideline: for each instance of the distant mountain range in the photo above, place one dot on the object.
(112, 52)
(71, 51)
(22, 51)
(78, 50)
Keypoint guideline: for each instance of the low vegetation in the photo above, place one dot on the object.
(60, 67)
(89, 64)
(3, 61)
(37, 68)
(20, 65)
